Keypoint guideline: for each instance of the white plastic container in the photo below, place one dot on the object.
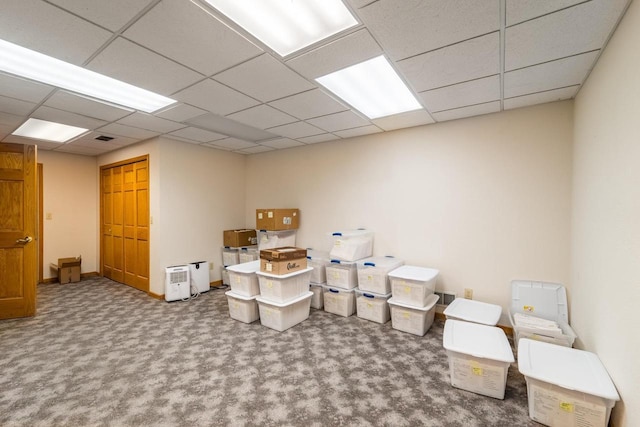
(230, 256)
(479, 357)
(243, 279)
(244, 309)
(566, 386)
(339, 301)
(286, 287)
(414, 320)
(473, 311)
(373, 273)
(317, 300)
(282, 316)
(318, 260)
(351, 245)
(248, 254)
(224, 275)
(372, 306)
(413, 285)
(342, 274)
(275, 239)
(547, 301)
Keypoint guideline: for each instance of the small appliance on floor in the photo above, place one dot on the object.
(177, 283)
(199, 274)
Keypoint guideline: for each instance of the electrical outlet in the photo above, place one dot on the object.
(49, 215)
(468, 293)
(211, 265)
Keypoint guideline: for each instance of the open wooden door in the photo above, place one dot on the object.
(18, 248)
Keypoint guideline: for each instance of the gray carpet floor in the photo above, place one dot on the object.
(99, 353)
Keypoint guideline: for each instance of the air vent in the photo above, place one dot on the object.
(103, 138)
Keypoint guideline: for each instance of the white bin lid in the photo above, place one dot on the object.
(245, 267)
(487, 342)
(410, 272)
(284, 276)
(380, 261)
(372, 295)
(540, 299)
(566, 367)
(431, 302)
(267, 301)
(474, 311)
(351, 233)
(238, 296)
(337, 290)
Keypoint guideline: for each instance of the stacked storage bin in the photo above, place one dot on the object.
(374, 288)
(319, 261)
(237, 243)
(413, 300)
(244, 290)
(347, 248)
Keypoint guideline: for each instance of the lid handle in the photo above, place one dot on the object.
(337, 234)
(370, 264)
(368, 295)
(335, 261)
(335, 291)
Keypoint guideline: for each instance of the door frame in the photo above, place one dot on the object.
(40, 224)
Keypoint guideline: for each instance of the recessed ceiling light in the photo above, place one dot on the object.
(287, 26)
(49, 131)
(372, 87)
(33, 65)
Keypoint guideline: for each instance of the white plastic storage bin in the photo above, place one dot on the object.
(342, 274)
(275, 239)
(284, 288)
(351, 245)
(339, 301)
(244, 309)
(230, 256)
(282, 316)
(414, 320)
(248, 254)
(565, 386)
(546, 301)
(373, 274)
(243, 279)
(224, 275)
(317, 300)
(473, 311)
(413, 285)
(318, 260)
(372, 306)
(479, 357)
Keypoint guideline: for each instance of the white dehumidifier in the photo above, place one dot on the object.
(177, 283)
(199, 276)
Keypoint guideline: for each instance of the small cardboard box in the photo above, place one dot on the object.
(277, 219)
(280, 267)
(69, 269)
(283, 253)
(240, 238)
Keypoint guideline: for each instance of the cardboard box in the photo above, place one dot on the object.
(277, 219)
(282, 267)
(239, 238)
(283, 253)
(68, 269)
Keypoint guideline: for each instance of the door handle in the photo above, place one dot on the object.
(24, 241)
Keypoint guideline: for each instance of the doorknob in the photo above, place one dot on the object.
(24, 241)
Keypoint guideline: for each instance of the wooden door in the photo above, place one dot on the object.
(18, 249)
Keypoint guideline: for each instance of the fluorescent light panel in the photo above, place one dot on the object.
(49, 131)
(33, 65)
(287, 26)
(372, 87)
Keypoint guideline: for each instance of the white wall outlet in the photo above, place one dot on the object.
(468, 293)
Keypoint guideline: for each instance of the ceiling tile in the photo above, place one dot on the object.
(255, 150)
(215, 97)
(42, 145)
(410, 27)
(138, 66)
(282, 143)
(90, 141)
(364, 130)
(232, 144)
(5, 130)
(78, 104)
(341, 53)
(64, 117)
(339, 121)
(541, 97)
(404, 120)
(568, 32)
(13, 120)
(296, 130)
(185, 33)
(79, 149)
(262, 117)
(26, 90)
(472, 59)
(550, 75)
(230, 127)
(309, 104)
(149, 122)
(199, 135)
(463, 94)
(474, 110)
(264, 78)
(360, 3)
(47, 29)
(180, 112)
(318, 138)
(16, 106)
(523, 10)
(128, 131)
(112, 14)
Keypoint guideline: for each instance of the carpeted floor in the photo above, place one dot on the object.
(99, 353)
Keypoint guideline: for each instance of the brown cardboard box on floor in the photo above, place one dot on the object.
(239, 238)
(277, 219)
(69, 269)
(283, 260)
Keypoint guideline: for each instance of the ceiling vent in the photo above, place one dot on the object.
(103, 138)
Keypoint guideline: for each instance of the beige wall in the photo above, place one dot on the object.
(69, 184)
(606, 215)
(485, 200)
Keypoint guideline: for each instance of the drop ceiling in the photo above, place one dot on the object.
(460, 58)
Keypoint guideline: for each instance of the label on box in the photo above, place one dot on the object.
(555, 408)
(286, 220)
(270, 214)
(259, 215)
(471, 375)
